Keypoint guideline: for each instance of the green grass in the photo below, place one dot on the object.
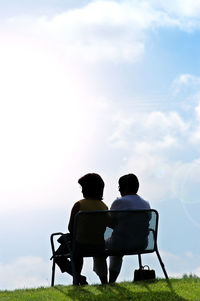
(180, 290)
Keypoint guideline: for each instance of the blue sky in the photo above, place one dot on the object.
(97, 86)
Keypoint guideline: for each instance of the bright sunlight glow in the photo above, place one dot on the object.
(41, 120)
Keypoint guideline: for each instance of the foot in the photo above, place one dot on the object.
(82, 280)
(103, 280)
(113, 276)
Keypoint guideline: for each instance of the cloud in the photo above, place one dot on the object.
(115, 31)
(165, 123)
(131, 128)
(101, 30)
(162, 148)
(187, 87)
(25, 272)
(33, 272)
(110, 31)
(179, 8)
(176, 265)
(197, 272)
(181, 14)
(187, 83)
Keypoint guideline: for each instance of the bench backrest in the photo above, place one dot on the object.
(115, 232)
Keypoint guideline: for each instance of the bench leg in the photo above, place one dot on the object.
(53, 273)
(162, 264)
(140, 261)
(75, 278)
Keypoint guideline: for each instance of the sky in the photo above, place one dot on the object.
(111, 87)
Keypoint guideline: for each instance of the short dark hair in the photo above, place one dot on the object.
(92, 186)
(129, 182)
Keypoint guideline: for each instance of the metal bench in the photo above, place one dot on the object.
(114, 232)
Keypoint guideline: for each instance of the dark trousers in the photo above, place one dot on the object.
(65, 263)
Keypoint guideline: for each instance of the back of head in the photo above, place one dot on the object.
(128, 184)
(92, 186)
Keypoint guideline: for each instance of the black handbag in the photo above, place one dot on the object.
(63, 239)
(144, 274)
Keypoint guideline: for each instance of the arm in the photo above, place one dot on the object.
(115, 205)
(75, 210)
(111, 219)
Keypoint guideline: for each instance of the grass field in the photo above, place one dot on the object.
(180, 290)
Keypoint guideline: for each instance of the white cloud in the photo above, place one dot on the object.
(197, 109)
(195, 135)
(165, 128)
(107, 30)
(162, 148)
(177, 265)
(167, 122)
(196, 272)
(116, 31)
(156, 146)
(25, 272)
(33, 272)
(186, 181)
(163, 177)
(186, 81)
(179, 8)
(101, 30)
(124, 125)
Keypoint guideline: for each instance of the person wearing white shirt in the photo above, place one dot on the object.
(129, 200)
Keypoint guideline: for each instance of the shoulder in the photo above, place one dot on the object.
(145, 203)
(76, 206)
(104, 206)
(116, 204)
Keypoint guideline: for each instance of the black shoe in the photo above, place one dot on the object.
(82, 280)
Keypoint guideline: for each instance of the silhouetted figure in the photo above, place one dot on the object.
(92, 190)
(129, 200)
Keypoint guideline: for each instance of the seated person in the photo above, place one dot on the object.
(121, 236)
(92, 189)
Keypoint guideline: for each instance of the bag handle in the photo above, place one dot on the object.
(143, 267)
